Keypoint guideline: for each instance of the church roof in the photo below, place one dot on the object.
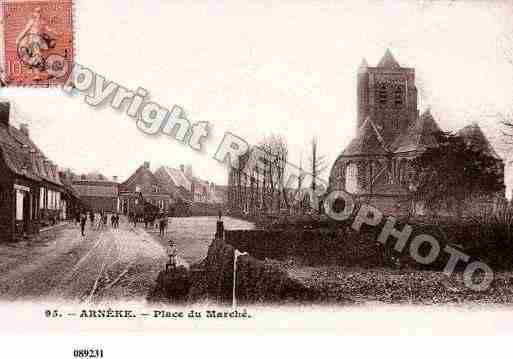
(368, 141)
(388, 61)
(473, 135)
(419, 136)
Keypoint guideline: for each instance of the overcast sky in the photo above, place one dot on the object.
(256, 68)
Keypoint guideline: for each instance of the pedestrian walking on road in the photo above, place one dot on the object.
(83, 220)
(91, 218)
(162, 226)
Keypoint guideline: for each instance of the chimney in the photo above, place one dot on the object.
(24, 128)
(115, 178)
(147, 165)
(182, 168)
(5, 108)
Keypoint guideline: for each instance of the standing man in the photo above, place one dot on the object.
(91, 218)
(162, 225)
(104, 219)
(83, 220)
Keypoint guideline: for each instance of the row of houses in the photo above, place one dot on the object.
(36, 193)
(168, 189)
(33, 192)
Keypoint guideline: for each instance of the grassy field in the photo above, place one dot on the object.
(364, 286)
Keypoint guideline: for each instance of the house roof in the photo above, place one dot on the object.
(24, 158)
(96, 189)
(92, 176)
(419, 136)
(368, 141)
(474, 136)
(178, 177)
(137, 175)
(388, 61)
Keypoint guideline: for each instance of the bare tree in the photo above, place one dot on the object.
(317, 163)
(275, 150)
(260, 188)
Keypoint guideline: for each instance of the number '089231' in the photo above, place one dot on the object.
(88, 353)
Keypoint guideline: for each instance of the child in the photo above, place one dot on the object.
(172, 253)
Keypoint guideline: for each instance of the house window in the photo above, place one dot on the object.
(138, 188)
(352, 178)
(155, 188)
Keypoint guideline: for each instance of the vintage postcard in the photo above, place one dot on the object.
(171, 167)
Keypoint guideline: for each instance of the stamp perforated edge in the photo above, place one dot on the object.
(3, 83)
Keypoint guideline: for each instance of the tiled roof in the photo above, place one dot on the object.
(419, 136)
(24, 158)
(473, 135)
(178, 177)
(96, 189)
(388, 61)
(367, 142)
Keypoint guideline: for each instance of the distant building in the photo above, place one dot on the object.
(143, 185)
(96, 192)
(176, 183)
(31, 192)
(189, 187)
(376, 165)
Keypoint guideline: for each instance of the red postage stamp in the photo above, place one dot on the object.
(38, 41)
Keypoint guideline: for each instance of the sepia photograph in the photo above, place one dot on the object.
(254, 167)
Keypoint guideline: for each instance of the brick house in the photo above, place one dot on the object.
(96, 192)
(143, 185)
(31, 192)
(176, 182)
(190, 194)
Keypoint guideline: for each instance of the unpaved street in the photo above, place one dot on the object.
(109, 264)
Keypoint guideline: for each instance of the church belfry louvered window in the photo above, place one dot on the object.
(398, 96)
(382, 94)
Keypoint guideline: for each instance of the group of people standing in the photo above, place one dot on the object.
(150, 219)
(98, 222)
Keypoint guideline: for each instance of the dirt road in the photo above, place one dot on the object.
(108, 264)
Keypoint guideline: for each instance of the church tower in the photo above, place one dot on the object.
(387, 95)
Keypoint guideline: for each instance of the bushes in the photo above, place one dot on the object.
(172, 285)
(321, 246)
(256, 281)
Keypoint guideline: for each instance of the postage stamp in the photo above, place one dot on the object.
(35, 32)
